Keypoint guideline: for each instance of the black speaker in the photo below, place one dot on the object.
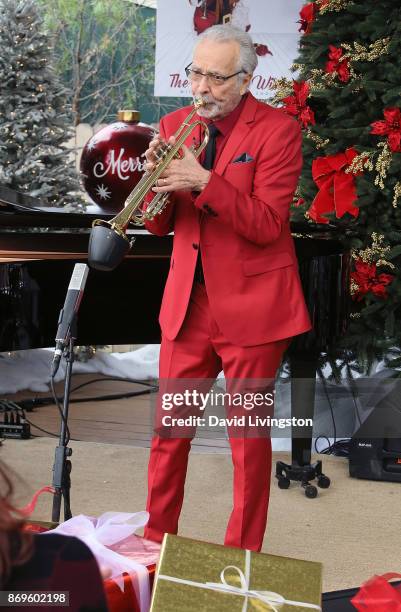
(375, 448)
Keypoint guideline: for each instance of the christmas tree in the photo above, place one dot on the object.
(347, 98)
(34, 111)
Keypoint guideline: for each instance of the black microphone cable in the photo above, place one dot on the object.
(36, 402)
(30, 404)
(340, 446)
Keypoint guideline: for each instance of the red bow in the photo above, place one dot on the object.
(378, 595)
(337, 189)
(391, 127)
(337, 63)
(296, 105)
(367, 279)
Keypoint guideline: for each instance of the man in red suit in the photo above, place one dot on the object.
(233, 298)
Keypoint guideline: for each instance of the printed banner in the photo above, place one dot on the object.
(273, 25)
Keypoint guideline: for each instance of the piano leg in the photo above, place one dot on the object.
(303, 387)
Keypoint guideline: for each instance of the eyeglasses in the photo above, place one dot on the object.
(216, 79)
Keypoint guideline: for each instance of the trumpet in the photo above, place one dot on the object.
(108, 243)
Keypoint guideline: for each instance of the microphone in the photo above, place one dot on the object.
(68, 313)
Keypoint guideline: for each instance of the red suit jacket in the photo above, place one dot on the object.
(240, 222)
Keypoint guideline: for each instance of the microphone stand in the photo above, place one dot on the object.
(62, 465)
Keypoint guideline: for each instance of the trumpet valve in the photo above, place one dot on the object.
(161, 153)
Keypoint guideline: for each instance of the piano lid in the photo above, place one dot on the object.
(30, 230)
(19, 210)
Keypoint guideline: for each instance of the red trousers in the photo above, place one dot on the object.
(201, 351)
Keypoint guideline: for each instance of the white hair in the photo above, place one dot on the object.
(221, 33)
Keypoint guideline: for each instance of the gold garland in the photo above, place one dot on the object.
(282, 87)
(368, 54)
(364, 161)
(376, 253)
(361, 162)
(383, 163)
(319, 142)
(397, 194)
(318, 79)
(354, 287)
(297, 193)
(332, 5)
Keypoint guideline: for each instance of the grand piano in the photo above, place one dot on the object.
(40, 246)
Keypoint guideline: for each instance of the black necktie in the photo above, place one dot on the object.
(210, 151)
(208, 161)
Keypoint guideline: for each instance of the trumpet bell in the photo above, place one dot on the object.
(107, 248)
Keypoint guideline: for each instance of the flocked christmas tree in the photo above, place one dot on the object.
(347, 97)
(34, 111)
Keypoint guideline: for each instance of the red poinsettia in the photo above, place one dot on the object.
(337, 63)
(367, 279)
(307, 16)
(390, 127)
(296, 105)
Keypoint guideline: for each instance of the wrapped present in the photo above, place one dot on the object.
(135, 547)
(378, 595)
(193, 575)
(39, 526)
(112, 540)
(145, 552)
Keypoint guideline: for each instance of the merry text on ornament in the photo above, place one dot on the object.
(119, 166)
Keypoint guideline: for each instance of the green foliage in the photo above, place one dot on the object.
(344, 112)
(34, 114)
(105, 54)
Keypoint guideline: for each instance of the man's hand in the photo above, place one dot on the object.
(185, 174)
(151, 153)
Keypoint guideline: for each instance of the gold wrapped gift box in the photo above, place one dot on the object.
(195, 576)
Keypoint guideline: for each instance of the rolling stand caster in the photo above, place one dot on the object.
(310, 490)
(323, 481)
(303, 358)
(283, 482)
(303, 474)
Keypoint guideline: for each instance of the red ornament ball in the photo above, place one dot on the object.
(113, 160)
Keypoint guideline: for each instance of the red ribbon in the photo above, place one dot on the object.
(27, 510)
(337, 191)
(378, 595)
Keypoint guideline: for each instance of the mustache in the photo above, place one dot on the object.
(210, 100)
